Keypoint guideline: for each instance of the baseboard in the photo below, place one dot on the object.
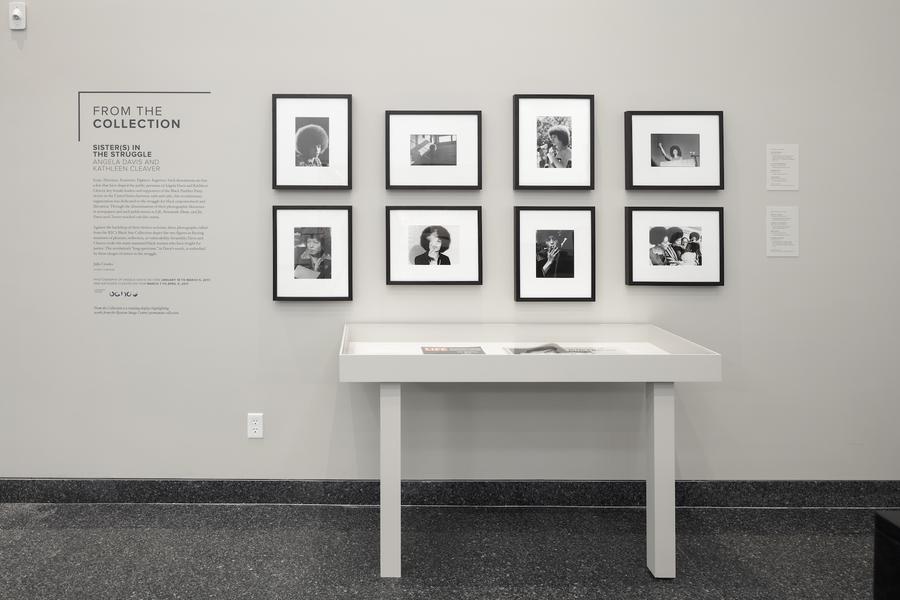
(763, 494)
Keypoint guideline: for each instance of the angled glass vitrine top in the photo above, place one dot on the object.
(501, 352)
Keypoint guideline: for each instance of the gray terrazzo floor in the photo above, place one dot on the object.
(138, 551)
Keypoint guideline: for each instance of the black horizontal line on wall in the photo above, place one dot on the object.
(742, 493)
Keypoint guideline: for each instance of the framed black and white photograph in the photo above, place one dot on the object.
(554, 253)
(312, 247)
(433, 244)
(553, 142)
(433, 149)
(674, 150)
(311, 141)
(674, 246)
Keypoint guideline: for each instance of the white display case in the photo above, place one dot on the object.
(379, 352)
(391, 354)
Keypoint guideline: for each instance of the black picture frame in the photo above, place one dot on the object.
(388, 114)
(629, 149)
(629, 245)
(275, 246)
(517, 98)
(389, 280)
(518, 210)
(276, 184)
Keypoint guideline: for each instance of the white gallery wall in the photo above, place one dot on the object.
(809, 344)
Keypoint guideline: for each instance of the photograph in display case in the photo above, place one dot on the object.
(433, 149)
(555, 255)
(433, 244)
(553, 142)
(674, 150)
(311, 141)
(674, 246)
(312, 250)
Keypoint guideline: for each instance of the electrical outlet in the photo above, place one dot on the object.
(18, 11)
(254, 425)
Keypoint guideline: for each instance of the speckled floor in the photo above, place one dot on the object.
(144, 551)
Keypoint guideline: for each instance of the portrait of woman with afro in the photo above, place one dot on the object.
(311, 142)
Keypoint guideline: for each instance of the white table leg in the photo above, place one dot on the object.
(390, 479)
(661, 480)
